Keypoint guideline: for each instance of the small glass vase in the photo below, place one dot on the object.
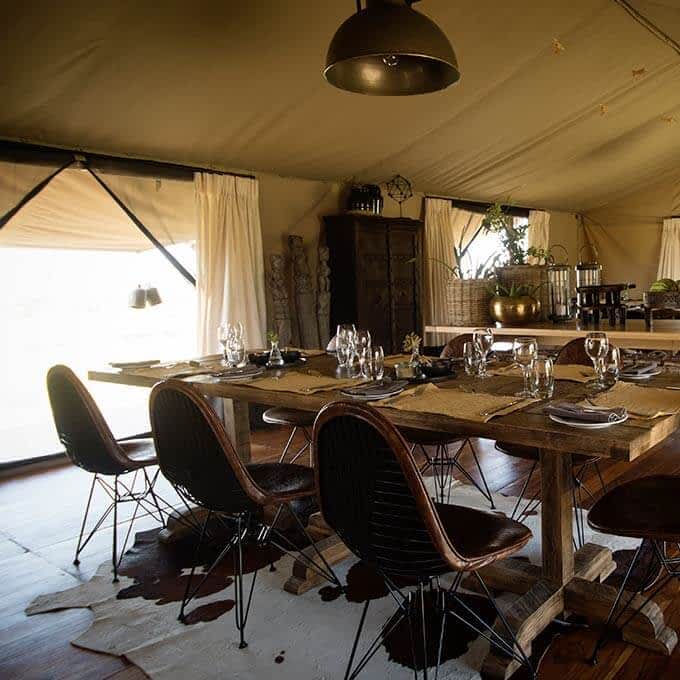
(275, 356)
(415, 362)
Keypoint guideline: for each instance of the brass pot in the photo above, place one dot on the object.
(514, 311)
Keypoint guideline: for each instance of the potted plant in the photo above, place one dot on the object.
(516, 304)
(514, 268)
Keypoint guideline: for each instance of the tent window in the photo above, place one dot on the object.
(483, 249)
(70, 306)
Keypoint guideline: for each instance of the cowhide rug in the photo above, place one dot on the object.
(290, 637)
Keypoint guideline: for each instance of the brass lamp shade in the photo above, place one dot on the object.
(390, 49)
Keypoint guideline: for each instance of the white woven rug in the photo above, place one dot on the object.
(290, 637)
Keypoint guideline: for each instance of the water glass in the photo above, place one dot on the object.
(472, 358)
(227, 334)
(236, 352)
(378, 363)
(363, 351)
(597, 348)
(344, 344)
(542, 378)
(525, 352)
(483, 338)
(615, 365)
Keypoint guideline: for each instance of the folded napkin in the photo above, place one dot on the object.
(584, 414)
(386, 387)
(332, 345)
(249, 369)
(639, 368)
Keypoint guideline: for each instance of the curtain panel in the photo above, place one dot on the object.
(230, 275)
(669, 259)
(445, 227)
(538, 233)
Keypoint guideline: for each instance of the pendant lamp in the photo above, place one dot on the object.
(388, 48)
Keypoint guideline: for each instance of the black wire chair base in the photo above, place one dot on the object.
(307, 446)
(411, 608)
(648, 584)
(246, 528)
(119, 492)
(444, 462)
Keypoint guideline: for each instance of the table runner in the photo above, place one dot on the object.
(302, 383)
(571, 372)
(640, 402)
(455, 403)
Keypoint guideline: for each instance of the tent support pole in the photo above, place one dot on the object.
(32, 194)
(138, 223)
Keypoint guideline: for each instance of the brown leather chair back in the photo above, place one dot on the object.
(574, 352)
(194, 452)
(372, 495)
(454, 348)
(80, 425)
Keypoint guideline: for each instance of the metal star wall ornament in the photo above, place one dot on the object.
(639, 73)
(671, 120)
(604, 109)
(399, 189)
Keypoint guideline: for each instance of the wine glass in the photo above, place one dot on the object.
(363, 351)
(525, 351)
(483, 338)
(597, 348)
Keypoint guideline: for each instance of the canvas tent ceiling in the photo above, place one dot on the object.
(548, 111)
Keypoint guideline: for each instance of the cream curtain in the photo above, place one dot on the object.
(445, 227)
(230, 276)
(538, 234)
(669, 259)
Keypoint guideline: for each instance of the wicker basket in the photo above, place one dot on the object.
(531, 275)
(467, 301)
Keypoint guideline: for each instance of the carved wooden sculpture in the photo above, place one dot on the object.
(324, 296)
(280, 298)
(304, 294)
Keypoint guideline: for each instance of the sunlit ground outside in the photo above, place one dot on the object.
(71, 307)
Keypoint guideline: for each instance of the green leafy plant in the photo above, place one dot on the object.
(514, 290)
(272, 337)
(497, 221)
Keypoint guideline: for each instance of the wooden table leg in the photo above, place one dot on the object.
(556, 517)
(566, 581)
(237, 425)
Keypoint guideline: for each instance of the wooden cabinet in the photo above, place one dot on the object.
(375, 267)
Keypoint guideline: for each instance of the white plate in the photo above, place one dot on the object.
(644, 376)
(586, 426)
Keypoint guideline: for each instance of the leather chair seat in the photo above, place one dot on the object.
(478, 534)
(531, 453)
(288, 416)
(428, 438)
(643, 508)
(140, 452)
(283, 479)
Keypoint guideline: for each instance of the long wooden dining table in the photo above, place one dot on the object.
(568, 580)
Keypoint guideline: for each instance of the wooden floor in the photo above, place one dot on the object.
(40, 517)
